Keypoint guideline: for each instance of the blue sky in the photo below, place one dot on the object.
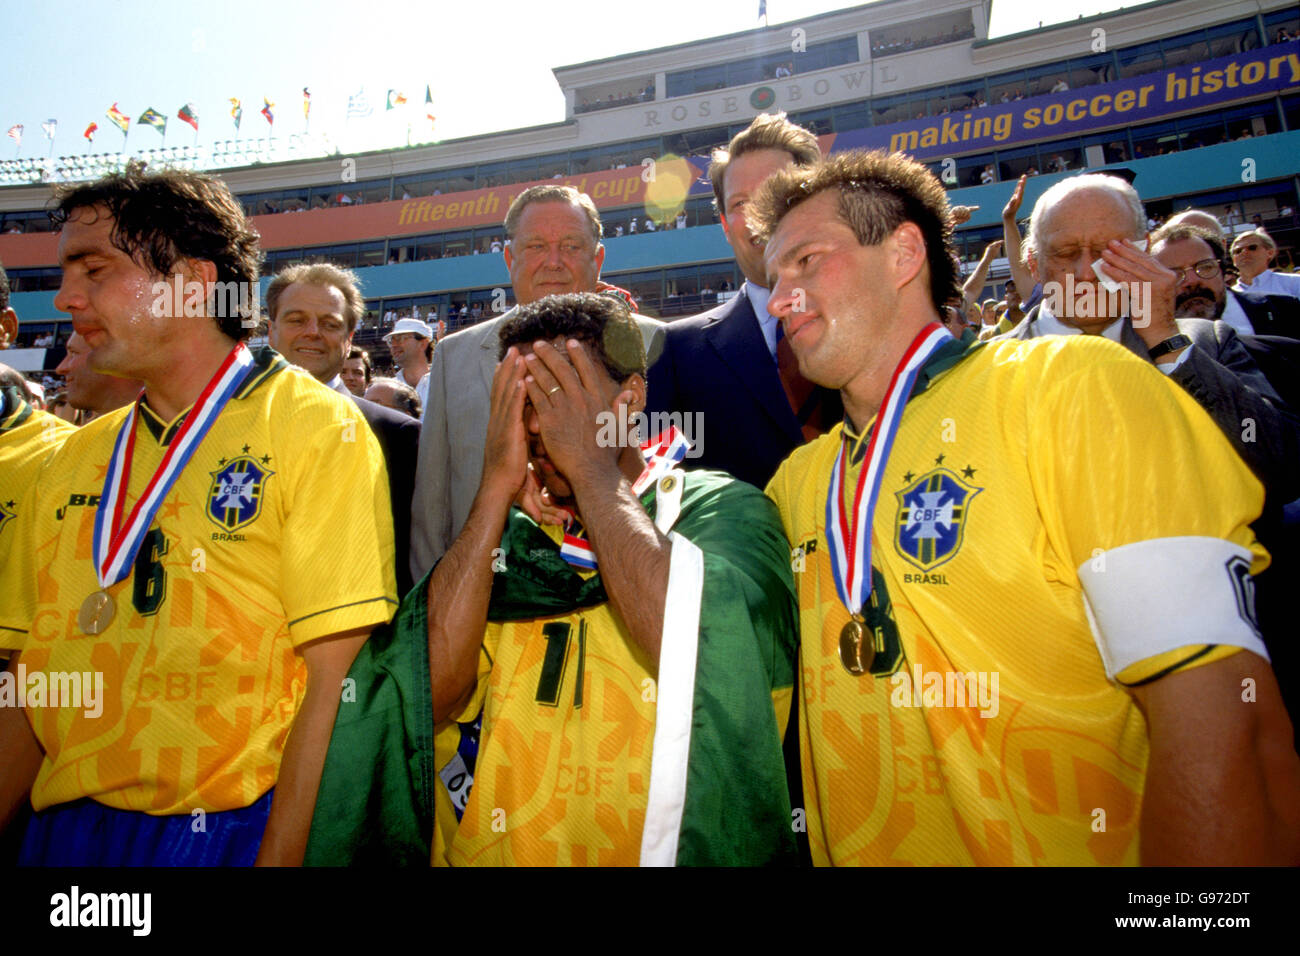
(488, 63)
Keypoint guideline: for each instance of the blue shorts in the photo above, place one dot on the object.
(86, 833)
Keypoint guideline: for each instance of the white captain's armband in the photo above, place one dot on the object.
(1155, 596)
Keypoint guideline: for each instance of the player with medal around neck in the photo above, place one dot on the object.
(132, 332)
(857, 340)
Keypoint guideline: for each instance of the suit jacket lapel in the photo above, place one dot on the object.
(739, 342)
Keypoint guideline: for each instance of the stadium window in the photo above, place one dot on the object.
(744, 72)
(457, 180)
(1230, 38)
(1090, 71)
(1287, 19)
(895, 109)
(1154, 139)
(374, 190)
(1039, 80)
(369, 254)
(1014, 163)
(1185, 49)
(852, 116)
(1206, 129)
(1256, 119)
(1008, 85)
(1291, 110)
(819, 121)
(699, 140)
(414, 186)
(456, 244)
(1140, 59)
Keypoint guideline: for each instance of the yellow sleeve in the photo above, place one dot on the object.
(1147, 508)
(337, 547)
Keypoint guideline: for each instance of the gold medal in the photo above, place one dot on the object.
(857, 650)
(96, 613)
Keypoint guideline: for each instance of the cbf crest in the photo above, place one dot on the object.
(932, 515)
(235, 498)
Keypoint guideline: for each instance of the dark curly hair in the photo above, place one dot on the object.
(163, 216)
(602, 322)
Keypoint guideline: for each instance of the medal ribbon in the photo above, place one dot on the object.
(117, 542)
(850, 544)
(661, 452)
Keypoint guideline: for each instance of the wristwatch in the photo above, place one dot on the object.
(1171, 344)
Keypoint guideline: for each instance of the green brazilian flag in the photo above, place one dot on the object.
(725, 797)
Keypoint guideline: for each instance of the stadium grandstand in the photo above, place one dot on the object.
(1198, 101)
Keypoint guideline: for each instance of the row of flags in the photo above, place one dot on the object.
(358, 107)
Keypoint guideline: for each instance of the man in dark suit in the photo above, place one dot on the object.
(313, 310)
(1199, 257)
(729, 366)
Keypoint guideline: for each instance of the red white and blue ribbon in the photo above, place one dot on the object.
(661, 452)
(850, 544)
(116, 541)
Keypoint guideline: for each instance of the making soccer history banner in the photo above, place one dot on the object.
(1269, 69)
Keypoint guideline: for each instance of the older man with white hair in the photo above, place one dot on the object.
(1089, 232)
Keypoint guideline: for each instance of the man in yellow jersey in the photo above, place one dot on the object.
(191, 554)
(612, 693)
(1016, 649)
(28, 437)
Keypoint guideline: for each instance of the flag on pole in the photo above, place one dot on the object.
(428, 94)
(358, 105)
(395, 99)
(306, 103)
(189, 114)
(266, 111)
(50, 126)
(16, 133)
(151, 117)
(236, 112)
(120, 119)
(90, 132)
(762, 9)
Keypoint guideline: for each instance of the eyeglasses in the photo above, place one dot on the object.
(1206, 269)
(1247, 247)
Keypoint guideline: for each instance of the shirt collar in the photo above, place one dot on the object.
(1048, 324)
(767, 323)
(948, 355)
(1235, 315)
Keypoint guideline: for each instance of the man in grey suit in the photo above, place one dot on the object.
(1094, 218)
(553, 247)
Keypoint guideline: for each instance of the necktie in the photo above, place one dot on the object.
(803, 395)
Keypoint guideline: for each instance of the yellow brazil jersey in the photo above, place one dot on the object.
(28, 436)
(277, 533)
(570, 706)
(563, 768)
(1024, 496)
